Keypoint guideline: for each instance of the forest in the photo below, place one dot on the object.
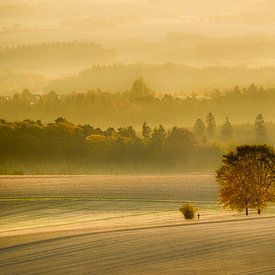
(30, 146)
(140, 103)
(137, 130)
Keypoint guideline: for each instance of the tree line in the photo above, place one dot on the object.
(164, 78)
(54, 54)
(140, 103)
(30, 142)
(33, 144)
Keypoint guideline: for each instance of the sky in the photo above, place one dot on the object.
(109, 20)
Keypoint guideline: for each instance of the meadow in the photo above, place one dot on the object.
(99, 224)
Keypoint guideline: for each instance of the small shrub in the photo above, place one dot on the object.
(188, 211)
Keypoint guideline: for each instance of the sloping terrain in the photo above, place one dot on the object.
(127, 225)
(244, 246)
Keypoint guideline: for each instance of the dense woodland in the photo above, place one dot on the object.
(139, 104)
(181, 133)
(63, 147)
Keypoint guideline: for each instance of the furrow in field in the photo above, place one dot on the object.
(213, 247)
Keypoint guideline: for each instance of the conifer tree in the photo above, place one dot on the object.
(199, 128)
(226, 131)
(211, 126)
(260, 133)
(146, 131)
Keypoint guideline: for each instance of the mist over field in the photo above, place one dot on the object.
(216, 46)
(133, 74)
(115, 64)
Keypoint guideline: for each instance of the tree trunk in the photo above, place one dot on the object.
(246, 211)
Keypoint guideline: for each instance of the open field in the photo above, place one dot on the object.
(127, 224)
(233, 247)
(190, 187)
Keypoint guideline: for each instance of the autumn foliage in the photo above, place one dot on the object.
(246, 178)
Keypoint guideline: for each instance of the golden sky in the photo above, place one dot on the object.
(23, 20)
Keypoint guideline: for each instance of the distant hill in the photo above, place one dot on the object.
(163, 78)
(54, 55)
(239, 49)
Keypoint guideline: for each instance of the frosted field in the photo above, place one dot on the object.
(191, 187)
(127, 225)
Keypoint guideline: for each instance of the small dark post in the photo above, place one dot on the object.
(198, 216)
(259, 211)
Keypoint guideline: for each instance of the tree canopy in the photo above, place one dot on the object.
(246, 178)
(140, 104)
(63, 143)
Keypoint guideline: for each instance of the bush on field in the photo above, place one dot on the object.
(188, 211)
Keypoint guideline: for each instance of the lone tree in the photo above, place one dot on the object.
(246, 178)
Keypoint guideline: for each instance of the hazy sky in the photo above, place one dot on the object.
(37, 20)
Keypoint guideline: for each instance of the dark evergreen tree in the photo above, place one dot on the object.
(127, 132)
(110, 132)
(226, 131)
(158, 138)
(260, 133)
(140, 89)
(199, 129)
(146, 131)
(211, 126)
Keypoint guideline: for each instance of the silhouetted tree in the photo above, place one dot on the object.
(179, 144)
(140, 89)
(211, 126)
(127, 132)
(226, 131)
(52, 99)
(199, 128)
(26, 96)
(260, 129)
(158, 137)
(146, 131)
(110, 131)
